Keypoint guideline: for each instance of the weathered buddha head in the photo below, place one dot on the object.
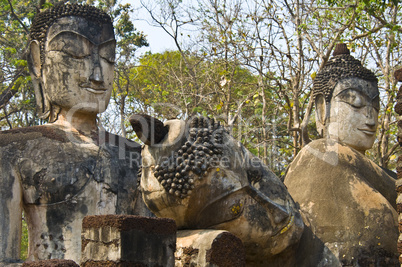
(347, 101)
(71, 59)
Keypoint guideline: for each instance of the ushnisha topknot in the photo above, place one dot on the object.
(45, 19)
(342, 65)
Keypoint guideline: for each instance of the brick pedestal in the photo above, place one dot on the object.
(51, 263)
(127, 240)
(209, 248)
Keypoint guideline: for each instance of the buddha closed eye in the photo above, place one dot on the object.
(358, 99)
(80, 47)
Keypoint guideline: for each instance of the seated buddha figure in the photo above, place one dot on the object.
(60, 172)
(348, 203)
(197, 174)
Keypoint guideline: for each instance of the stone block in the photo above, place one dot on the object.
(128, 240)
(209, 248)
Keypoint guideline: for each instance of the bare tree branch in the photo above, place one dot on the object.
(386, 157)
(17, 18)
(359, 36)
(306, 119)
(239, 108)
(11, 90)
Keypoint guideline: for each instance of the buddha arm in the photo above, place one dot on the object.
(10, 210)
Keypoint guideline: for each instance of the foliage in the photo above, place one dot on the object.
(283, 44)
(15, 16)
(250, 64)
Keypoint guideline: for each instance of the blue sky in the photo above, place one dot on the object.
(158, 40)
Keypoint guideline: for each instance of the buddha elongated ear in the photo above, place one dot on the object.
(321, 114)
(35, 68)
(34, 62)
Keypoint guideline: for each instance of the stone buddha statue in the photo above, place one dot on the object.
(197, 174)
(58, 173)
(347, 201)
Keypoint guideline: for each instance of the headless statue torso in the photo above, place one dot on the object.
(60, 182)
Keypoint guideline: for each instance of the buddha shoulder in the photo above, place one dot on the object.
(20, 136)
(330, 154)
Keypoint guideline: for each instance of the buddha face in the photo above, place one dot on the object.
(353, 113)
(78, 68)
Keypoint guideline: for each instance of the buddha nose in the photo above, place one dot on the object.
(96, 75)
(371, 118)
